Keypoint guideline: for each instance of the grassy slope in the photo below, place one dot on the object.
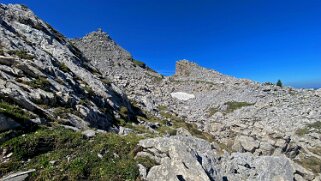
(61, 154)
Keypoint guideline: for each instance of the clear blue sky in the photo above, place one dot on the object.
(263, 40)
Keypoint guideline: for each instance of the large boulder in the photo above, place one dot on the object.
(7, 123)
(245, 166)
(180, 158)
(245, 143)
(189, 158)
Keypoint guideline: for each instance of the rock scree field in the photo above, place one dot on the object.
(85, 109)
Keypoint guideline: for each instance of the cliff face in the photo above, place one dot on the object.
(40, 68)
(196, 125)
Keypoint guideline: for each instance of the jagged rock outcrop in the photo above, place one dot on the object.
(188, 158)
(180, 158)
(265, 132)
(261, 119)
(39, 68)
(117, 65)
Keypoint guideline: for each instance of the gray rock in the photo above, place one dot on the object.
(89, 133)
(244, 166)
(247, 143)
(187, 158)
(183, 132)
(53, 73)
(7, 123)
(19, 176)
(124, 131)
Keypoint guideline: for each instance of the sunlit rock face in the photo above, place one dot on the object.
(204, 125)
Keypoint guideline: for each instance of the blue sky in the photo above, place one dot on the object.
(262, 40)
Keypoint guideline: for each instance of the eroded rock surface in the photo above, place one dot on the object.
(46, 75)
(188, 158)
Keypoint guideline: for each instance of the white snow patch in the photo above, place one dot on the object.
(183, 96)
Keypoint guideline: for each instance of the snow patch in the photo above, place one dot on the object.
(183, 96)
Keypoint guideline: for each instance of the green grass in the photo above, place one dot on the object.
(21, 54)
(89, 90)
(13, 111)
(63, 67)
(302, 131)
(139, 63)
(41, 83)
(232, 106)
(313, 127)
(1, 52)
(123, 111)
(212, 111)
(147, 162)
(192, 128)
(106, 81)
(76, 158)
(58, 36)
(311, 163)
(62, 112)
(162, 108)
(155, 77)
(316, 150)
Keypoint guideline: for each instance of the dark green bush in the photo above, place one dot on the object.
(279, 83)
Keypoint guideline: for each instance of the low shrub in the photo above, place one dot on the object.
(41, 83)
(232, 106)
(21, 54)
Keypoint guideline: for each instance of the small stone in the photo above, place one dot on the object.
(89, 133)
(52, 162)
(9, 155)
(100, 155)
(116, 155)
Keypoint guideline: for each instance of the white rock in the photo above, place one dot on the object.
(89, 133)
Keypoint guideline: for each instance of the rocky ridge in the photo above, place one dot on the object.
(249, 117)
(44, 74)
(196, 125)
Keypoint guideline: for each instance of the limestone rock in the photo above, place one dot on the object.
(89, 133)
(188, 158)
(40, 70)
(244, 166)
(247, 143)
(19, 176)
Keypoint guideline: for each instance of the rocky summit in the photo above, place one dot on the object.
(85, 109)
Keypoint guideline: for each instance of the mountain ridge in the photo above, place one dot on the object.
(91, 112)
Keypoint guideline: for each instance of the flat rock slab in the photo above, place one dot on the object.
(19, 176)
